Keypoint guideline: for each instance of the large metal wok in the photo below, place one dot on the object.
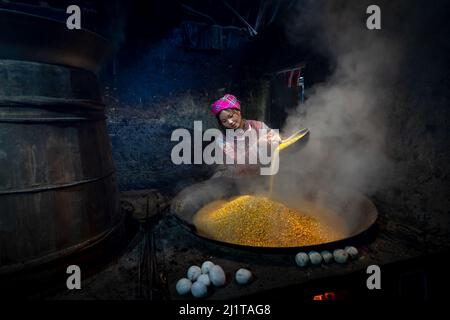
(352, 211)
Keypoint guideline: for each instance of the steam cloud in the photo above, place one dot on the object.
(344, 114)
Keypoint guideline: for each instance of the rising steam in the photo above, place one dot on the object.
(344, 114)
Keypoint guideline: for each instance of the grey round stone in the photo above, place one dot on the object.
(302, 259)
(327, 256)
(199, 290)
(315, 258)
(243, 276)
(352, 252)
(183, 286)
(340, 256)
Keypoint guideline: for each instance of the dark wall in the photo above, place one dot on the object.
(418, 139)
(165, 74)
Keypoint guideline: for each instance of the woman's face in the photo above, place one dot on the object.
(230, 119)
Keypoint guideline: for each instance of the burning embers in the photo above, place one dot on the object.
(261, 222)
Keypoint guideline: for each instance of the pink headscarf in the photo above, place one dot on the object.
(228, 101)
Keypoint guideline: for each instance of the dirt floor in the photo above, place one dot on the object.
(163, 250)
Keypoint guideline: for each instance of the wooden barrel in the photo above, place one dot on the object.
(58, 190)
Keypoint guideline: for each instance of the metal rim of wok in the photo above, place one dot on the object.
(362, 237)
(365, 233)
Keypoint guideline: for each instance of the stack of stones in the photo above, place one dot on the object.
(200, 278)
(315, 258)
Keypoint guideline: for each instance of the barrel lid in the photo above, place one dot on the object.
(44, 40)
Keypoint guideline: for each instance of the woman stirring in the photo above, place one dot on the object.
(228, 114)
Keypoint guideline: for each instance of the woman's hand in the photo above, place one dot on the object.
(273, 137)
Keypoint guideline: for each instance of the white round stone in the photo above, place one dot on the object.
(302, 259)
(340, 256)
(199, 290)
(352, 252)
(183, 286)
(315, 257)
(193, 273)
(217, 276)
(243, 276)
(206, 266)
(204, 278)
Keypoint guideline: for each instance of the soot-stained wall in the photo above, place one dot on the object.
(418, 136)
